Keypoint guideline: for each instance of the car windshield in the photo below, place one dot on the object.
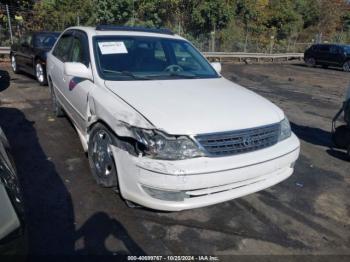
(45, 40)
(148, 58)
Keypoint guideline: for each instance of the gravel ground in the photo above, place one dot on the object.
(68, 213)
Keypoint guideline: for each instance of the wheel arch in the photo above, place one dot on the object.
(126, 143)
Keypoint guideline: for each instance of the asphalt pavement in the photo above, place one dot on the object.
(69, 214)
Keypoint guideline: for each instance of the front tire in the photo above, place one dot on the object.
(40, 73)
(100, 156)
(14, 64)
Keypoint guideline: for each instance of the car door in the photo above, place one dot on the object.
(23, 43)
(324, 54)
(60, 55)
(336, 55)
(28, 54)
(77, 89)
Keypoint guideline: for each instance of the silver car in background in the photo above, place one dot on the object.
(12, 225)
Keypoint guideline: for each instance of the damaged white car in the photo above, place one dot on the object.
(159, 121)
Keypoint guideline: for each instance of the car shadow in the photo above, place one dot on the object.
(49, 210)
(48, 204)
(319, 67)
(319, 137)
(97, 229)
(340, 154)
(4, 80)
(313, 135)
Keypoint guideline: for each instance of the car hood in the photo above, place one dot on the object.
(196, 106)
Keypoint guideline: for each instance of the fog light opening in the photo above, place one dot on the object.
(292, 165)
(165, 195)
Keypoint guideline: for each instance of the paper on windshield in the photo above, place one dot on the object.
(108, 48)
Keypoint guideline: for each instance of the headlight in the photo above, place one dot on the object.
(285, 131)
(162, 146)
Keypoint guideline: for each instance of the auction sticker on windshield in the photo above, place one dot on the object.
(108, 48)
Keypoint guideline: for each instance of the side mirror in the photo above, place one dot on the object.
(77, 70)
(216, 66)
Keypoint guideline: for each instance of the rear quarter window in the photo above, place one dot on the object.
(324, 48)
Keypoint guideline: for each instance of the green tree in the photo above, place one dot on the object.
(113, 11)
(59, 14)
(210, 15)
(284, 18)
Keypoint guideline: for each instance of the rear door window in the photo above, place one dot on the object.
(44, 40)
(324, 48)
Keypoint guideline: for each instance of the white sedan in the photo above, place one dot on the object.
(161, 124)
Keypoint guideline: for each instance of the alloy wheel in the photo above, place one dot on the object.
(102, 154)
(39, 71)
(346, 66)
(13, 63)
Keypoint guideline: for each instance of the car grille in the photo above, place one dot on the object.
(240, 141)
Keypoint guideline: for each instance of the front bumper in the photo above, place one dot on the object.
(206, 181)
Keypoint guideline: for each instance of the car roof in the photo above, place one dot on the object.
(92, 31)
(45, 33)
(330, 44)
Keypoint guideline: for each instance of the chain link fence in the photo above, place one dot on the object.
(16, 21)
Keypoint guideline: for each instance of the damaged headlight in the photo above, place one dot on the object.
(285, 131)
(158, 145)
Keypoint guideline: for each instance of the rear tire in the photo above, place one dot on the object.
(40, 73)
(14, 64)
(346, 66)
(100, 156)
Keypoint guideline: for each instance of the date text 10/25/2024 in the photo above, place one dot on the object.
(173, 258)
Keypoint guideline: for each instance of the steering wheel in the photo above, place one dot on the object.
(173, 68)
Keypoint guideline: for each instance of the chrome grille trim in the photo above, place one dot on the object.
(239, 141)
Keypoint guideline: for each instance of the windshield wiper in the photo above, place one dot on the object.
(126, 73)
(174, 74)
(183, 74)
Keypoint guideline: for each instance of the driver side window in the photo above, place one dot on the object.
(62, 47)
(79, 51)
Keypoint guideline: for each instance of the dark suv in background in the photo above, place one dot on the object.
(335, 55)
(29, 55)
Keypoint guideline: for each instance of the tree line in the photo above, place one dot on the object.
(226, 24)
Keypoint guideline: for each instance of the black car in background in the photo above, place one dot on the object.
(335, 55)
(12, 224)
(29, 55)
